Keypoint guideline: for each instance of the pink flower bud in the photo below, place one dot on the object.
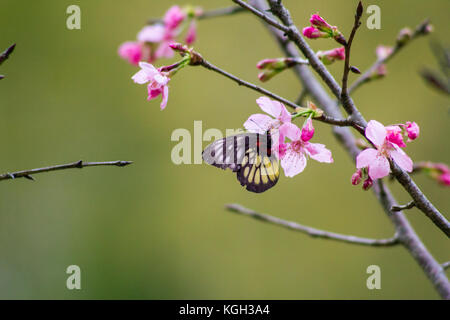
(412, 130)
(445, 179)
(394, 135)
(328, 57)
(313, 33)
(368, 183)
(319, 22)
(307, 130)
(383, 52)
(191, 34)
(266, 75)
(267, 63)
(131, 51)
(356, 177)
(173, 17)
(404, 36)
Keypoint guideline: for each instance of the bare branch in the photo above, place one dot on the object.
(344, 92)
(407, 206)
(313, 232)
(215, 13)
(324, 118)
(78, 164)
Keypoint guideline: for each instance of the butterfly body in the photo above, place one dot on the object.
(250, 156)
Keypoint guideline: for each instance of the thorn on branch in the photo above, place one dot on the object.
(5, 54)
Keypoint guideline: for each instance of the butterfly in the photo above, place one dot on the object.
(250, 156)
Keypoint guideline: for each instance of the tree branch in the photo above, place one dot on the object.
(78, 164)
(344, 92)
(367, 75)
(324, 118)
(227, 11)
(313, 232)
(407, 235)
(278, 9)
(407, 206)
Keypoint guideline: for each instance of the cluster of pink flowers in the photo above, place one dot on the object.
(153, 42)
(294, 152)
(321, 29)
(388, 142)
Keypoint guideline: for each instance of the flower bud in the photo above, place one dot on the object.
(357, 177)
(368, 183)
(444, 179)
(319, 22)
(404, 36)
(394, 135)
(266, 75)
(273, 64)
(412, 130)
(307, 130)
(313, 33)
(383, 52)
(328, 57)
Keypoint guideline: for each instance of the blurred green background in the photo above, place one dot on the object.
(155, 230)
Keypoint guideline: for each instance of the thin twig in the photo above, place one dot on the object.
(407, 206)
(324, 118)
(5, 54)
(367, 75)
(313, 232)
(407, 236)
(78, 164)
(344, 92)
(220, 12)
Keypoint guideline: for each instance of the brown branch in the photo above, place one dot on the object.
(344, 92)
(407, 236)
(313, 232)
(227, 11)
(28, 174)
(367, 75)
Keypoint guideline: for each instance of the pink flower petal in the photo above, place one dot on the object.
(293, 163)
(131, 51)
(274, 108)
(291, 131)
(318, 152)
(376, 132)
(259, 123)
(365, 157)
(140, 77)
(164, 50)
(165, 97)
(379, 167)
(153, 33)
(307, 130)
(402, 159)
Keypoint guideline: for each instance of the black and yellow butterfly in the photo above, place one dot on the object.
(250, 156)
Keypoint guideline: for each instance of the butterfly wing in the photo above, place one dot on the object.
(260, 168)
(249, 155)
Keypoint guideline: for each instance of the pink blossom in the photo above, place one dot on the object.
(294, 154)
(261, 123)
(154, 33)
(412, 129)
(394, 135)
(376, 160)
(328, 57)
(367, 184)
(157, 82)
(173, 17)
(445, 179)
(131, 51)
(191, 34)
